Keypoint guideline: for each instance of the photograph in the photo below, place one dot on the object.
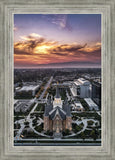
(57, 80)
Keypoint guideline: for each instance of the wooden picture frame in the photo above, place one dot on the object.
(7, 149)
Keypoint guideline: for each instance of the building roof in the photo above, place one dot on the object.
(91, 103)
(96, 83)
(57, 111)
(66, 108)
(62, 112)
(78, 105)
(48, 108)
(82, 81)
(29, 88)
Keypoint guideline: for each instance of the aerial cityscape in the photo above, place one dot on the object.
(57, 79)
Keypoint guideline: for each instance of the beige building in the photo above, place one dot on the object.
(81, 88)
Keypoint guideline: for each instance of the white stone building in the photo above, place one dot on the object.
(81, 88)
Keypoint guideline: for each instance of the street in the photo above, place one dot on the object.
(46, 87)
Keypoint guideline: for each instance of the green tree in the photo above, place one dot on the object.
(67, 131)
(83, 135)
(93, 134)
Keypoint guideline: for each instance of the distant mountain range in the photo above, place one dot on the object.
(71, 64)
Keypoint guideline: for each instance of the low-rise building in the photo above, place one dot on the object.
(23, 105)
(79, 107)
(91, 104)
(27, 90)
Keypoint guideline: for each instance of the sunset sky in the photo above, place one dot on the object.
(57, 40)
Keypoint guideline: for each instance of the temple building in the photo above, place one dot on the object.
(57, 115)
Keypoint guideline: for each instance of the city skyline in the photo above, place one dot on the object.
(57, 41)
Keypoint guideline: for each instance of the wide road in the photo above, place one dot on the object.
(46, 87)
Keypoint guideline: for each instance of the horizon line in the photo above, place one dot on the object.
(57, 67)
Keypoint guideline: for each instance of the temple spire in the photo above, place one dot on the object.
(57, 92)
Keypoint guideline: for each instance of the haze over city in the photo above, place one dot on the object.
(57, 41)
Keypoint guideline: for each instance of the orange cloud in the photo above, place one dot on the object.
(35, 49)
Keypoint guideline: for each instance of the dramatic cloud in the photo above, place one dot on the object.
(35, 49)
(67, 49)
(31, 37)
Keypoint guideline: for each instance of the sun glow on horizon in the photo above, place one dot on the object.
(42, 49)
(58, 38)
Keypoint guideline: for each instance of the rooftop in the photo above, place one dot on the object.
(91, 103)
(57, 111)
(78, 105)
(29, 88)
(82, 81)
